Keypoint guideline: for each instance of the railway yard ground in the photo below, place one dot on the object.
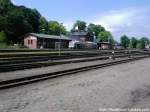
(76, 81)
(50, 69)
(121, 86)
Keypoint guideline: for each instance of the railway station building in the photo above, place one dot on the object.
(82, 40)
(39, 41)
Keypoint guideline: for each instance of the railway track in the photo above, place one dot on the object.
(55, 53)
(25, 64)
(30, 79)
(17, 59)
(51, 50)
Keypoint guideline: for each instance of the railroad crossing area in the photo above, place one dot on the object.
(75, 81)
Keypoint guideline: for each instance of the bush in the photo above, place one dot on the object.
(3, 38)
(4, 46)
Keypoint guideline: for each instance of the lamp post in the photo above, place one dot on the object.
(61, 24)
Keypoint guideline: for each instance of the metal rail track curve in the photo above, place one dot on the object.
(29, 65)
(27, 80)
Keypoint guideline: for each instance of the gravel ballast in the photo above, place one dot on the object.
(121, 86)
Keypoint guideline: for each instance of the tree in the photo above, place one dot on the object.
(133, 42)
(16, 26)
(95, 28)
(125, 41)
(32, 16)
(143, 42)
(105, 36)
(138, 46)
(15, 21)
(5, 6)
(56, 28)
(43, 27)
(79, 26)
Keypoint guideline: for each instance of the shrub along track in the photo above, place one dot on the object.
(30, 79)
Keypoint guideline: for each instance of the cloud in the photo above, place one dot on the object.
(129, 21)
(68, 25)
(13, 1)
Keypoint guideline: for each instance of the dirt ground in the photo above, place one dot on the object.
(122, 87)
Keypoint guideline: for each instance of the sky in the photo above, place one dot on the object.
(130, 17)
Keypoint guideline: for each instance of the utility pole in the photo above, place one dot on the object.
(61, 24)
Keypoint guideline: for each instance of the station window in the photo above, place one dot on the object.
(31, 42)
(28, 42)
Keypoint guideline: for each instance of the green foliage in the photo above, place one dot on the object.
(79, 26)
(133, 42)
(138, 46)
(32, 16)
(143, 42)
(125, 41)
(16, 21)
(95, 28)
(43, 27)
(100, 32)
(5, 6)
(16, 25)
(3, 46)
(56, 28)
(2, 37)
(105, 36)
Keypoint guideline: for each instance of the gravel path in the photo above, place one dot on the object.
(121, 86)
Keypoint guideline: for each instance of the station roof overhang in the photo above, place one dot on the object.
(46, 36)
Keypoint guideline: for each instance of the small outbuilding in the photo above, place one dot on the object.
(118, 46)
(104, 45)
(39, 41)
